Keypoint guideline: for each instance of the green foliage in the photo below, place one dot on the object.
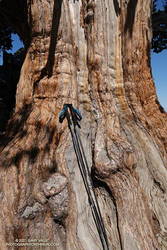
(9, 76)
(5, 38)
(165, 5)
(159, 26)
(154, 9)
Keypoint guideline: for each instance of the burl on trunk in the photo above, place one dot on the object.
(95, 55)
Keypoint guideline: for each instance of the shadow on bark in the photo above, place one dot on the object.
(54, 35)
(19, 119)
(48, 69)
(14, 143)
(33, 151)
(15, 125)
(116, 7)
(130, 16)
(32, 154)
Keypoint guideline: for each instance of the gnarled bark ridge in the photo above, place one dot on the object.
(95, 55)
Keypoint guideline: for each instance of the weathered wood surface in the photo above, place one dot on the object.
(95, 55)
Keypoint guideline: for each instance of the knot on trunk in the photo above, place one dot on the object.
(55, 189)
(55, 184)
(59, 204)
(89, 16)
(113, 155)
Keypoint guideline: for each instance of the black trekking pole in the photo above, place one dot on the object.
(73, 117)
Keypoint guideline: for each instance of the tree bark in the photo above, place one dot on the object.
(94, 54)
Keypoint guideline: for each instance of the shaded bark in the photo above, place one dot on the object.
(95, 55)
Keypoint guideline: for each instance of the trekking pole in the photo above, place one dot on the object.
(73, 117)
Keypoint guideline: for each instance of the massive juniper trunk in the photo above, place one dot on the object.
(95, 55)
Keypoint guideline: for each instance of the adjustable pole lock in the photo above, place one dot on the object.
(75, 114)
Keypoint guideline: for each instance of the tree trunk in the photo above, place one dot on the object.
(94, 54)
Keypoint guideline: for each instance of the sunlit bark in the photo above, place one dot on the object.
(95, 55)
